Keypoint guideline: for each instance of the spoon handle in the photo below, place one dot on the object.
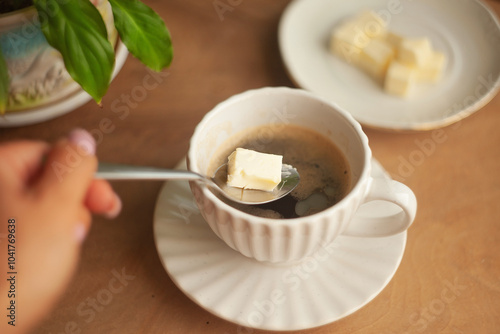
(111, 171)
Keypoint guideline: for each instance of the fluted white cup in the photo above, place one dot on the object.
(286, 240)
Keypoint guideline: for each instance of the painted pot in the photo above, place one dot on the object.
(37, 74)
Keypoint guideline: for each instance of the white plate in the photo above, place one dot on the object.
(61, 107)
(333, 283)
(465, 30)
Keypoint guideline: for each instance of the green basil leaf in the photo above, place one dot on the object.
(143, 32)
(4, 84)
(76, 29)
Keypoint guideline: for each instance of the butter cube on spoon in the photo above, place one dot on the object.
(249, 169)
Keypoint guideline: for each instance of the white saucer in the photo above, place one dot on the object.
(63, 106)
(466, 31)
(335, 282)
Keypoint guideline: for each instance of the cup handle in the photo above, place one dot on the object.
(382, 220)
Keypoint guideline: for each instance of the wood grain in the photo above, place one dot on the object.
(449, 279)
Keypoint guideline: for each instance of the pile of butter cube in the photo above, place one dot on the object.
(399, 63)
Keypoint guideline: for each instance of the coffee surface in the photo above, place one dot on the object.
(324, 172)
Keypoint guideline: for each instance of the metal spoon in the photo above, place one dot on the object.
(289, 180)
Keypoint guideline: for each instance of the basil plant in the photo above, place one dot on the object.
(76, 29)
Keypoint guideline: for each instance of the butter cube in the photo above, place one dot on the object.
(393, 39)
(249, 169)
(370, 23)
(375, 58)
(432, 69)
(352, 36)
(415, 52)
(399, 79)
(347, 42)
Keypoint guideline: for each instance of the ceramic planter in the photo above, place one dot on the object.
(39, 80)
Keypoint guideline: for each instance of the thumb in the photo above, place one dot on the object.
(70, 167)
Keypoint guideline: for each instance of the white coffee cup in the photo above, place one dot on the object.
(286, 240)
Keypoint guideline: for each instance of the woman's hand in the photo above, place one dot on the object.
(50, 193)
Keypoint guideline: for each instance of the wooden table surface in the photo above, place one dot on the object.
(449, 278)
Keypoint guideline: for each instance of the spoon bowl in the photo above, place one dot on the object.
(289, 180)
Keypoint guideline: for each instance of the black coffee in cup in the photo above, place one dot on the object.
(325, 176)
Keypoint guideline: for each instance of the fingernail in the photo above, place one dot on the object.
(115, 210)
(83, 140)
(80, 232)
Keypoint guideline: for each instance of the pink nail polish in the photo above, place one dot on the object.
(114, 211)
(80, 232)
(83, 140)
